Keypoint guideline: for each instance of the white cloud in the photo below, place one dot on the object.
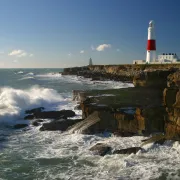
(23, 54)
(92, 47)
(2, 64)
(102, 47)
(82, 51)
(15, 61)
(18, 53)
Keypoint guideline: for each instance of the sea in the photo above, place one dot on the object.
(30, 154)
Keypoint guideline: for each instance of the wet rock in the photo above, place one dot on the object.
(51, 115)
(78, 95)
(35, 110)
(95, 123)
(36, 122)
(54, 114)
(19, 126)
(130, 150)
(156, 139)
(124, 134)
(77, 107)
(61, 125)
(29, 117)
(100, 149)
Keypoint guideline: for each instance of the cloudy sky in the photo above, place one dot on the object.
(64, 33)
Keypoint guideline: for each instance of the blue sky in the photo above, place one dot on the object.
(64, 33)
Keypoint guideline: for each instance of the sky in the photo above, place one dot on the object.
(66, 33)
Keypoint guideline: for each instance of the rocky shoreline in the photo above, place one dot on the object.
(152, 106)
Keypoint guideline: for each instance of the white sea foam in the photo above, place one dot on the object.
(67, 156)
(20, 72)
(106, 84)
(13, 102)
(49, 75)
(30, 74)
(28, 77)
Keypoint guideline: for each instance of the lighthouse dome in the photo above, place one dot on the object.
(151, 23)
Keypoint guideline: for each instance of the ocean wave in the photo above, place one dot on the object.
(108, 84)
(13, 102)
(28, 77)
(70, 154)
(20, 72)
(30, 74)
(49, 75)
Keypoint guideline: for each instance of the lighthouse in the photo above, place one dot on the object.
(151, 44)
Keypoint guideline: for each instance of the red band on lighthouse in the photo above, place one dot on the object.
(151, 45)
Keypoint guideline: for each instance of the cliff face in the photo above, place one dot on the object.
(127, 110)
(171, 99)
(152, 106)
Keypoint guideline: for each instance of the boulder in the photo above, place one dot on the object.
(127, 150)
(35, 110)
(124, 134)
(29, 117)
(37, 122)
(61, 125)
(51, 114)
(19, 126)
(100, 149)
(54, 114)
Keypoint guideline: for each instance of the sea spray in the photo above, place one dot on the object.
(13, 102)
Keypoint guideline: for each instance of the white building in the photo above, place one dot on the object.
(139, 62)
(168, 58)
(163, 58)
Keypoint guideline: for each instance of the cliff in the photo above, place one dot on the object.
(152, 106)
(124, 72)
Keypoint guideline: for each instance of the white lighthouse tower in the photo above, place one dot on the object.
(151, 44)
(90, 62)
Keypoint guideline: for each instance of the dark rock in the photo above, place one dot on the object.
(127, 150)
(35, 110)
(51, 115)
(54, 114)
(40, 120)
(29, 117)
(156, 139)
(35, 123)
(160, 142)
(77, 107)
(100, 149)
(61, 125)
(124, 134)
(19, 126)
